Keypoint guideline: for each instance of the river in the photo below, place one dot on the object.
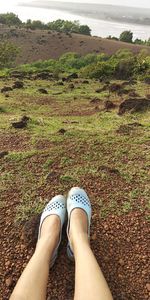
(99, 27)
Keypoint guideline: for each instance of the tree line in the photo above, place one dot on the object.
(127, 36)
(10, 19)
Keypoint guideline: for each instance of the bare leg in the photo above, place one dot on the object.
(90, 283)
(33, 281)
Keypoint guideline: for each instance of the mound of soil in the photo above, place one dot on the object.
(62, 131)
(115, 87)
(18, 85)
(45, 75)
(71, 86)
(134, 105)
(43, 91)
(103, 89)
(133, 94)
(109, 170)
(109, 105)
(30, 231)
(22, 123)
(6, 89)
(127, 129)
(95, 100)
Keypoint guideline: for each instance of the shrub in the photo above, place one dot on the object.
(100, 70)
(126, 36)
(10, 19)
(8, 54)
(124, 69)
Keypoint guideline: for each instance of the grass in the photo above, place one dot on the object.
(28, 208)
(75, 158)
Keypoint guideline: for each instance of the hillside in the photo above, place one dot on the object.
(43, 45)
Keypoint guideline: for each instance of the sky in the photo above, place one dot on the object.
(136, 3)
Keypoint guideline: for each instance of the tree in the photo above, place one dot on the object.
(69, 27)
(8, 54)
(139, 42)
(84, 29)
(10, 19)
(125, 67)
(126, 36)
(148, 42)
(37, 24)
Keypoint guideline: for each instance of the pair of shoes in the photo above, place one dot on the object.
(77, 198)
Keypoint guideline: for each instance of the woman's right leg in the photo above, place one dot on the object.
(90, 283)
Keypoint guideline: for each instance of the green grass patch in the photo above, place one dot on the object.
(19, 156)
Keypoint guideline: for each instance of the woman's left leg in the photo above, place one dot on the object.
(33, 281)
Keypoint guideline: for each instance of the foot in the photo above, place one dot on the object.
(78, 226)
(51, 224)
(50, 230)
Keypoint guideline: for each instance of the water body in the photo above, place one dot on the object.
(99, 27)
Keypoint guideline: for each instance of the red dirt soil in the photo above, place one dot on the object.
(120, 243)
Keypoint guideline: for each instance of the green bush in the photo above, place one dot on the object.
(10, 19)
(8, 54)
(124, 69)
(100, 70)
(126, 36)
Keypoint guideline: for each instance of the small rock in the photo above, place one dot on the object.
(121, 262)
(7, 263)
(148, 287)
(93, 237)
(3, 153)
(9, 281)
(62, 131)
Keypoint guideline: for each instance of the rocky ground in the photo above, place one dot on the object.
(73, 136)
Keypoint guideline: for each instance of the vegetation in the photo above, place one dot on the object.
(8, 54)
(127, 36)
(41, 159)
(10, 19)
(58, 25)
(122, 65)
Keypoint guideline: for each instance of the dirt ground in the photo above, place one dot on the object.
(41, 161)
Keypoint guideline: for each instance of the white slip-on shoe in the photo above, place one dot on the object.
(77, 198)
(56, 206)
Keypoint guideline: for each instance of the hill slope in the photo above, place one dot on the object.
(43, 45)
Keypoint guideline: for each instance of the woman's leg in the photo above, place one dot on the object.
(33, 281)
(90, 283)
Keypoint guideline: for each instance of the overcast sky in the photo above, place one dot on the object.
(136, 3)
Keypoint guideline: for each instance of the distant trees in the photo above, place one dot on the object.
(8, 54)
(69, 27)
(10, 19)
(126, 36)
(34, 25)
(84, 29)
